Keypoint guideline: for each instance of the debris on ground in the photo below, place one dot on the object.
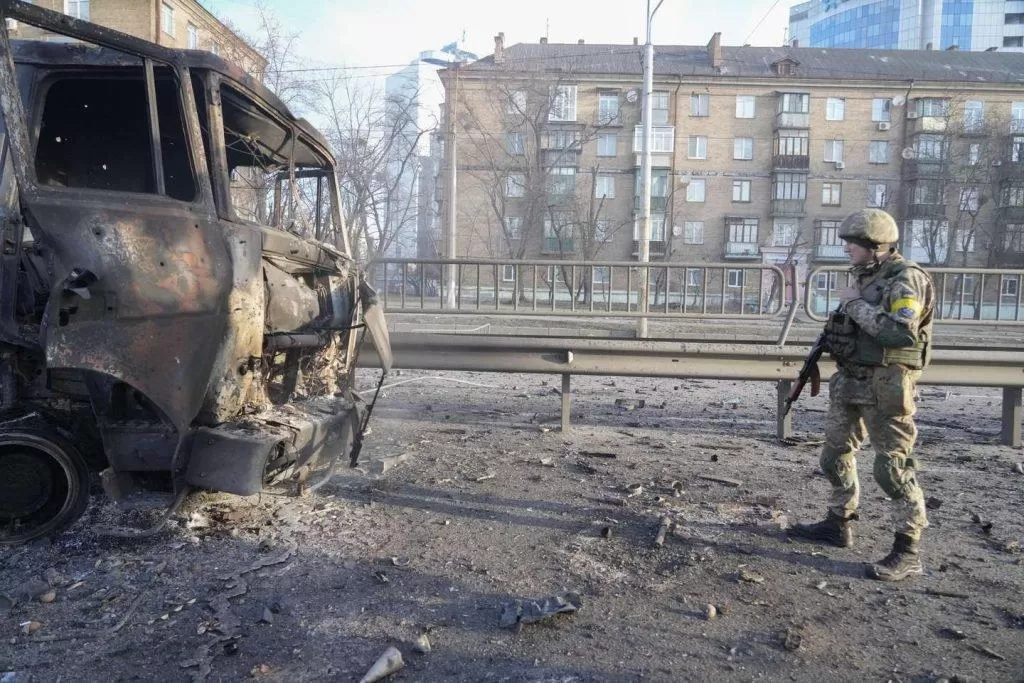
(531, 611)
(663, 528)
(422, 644)
(387, 664)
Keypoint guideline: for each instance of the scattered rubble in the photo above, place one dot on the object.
(520, 612)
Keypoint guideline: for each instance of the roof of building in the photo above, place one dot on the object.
(757, 62)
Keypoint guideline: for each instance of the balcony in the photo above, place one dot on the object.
(657, 247)
(1007, 258)
(923, 168)
(788, 207)
(792, 119)
(658, 204)
(741, 250)
(1011, 214)
(791, 162)
(555, 245)
(927, 124)
(1017, 125)
(829, 252)
(926, 210)
(1006, 168)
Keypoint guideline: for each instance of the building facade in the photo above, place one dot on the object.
(909, 24)
(758, 153)
(175, 23)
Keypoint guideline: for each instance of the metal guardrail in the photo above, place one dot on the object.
(564, 288)
(967, 296)
(755, 361)
(584, 288)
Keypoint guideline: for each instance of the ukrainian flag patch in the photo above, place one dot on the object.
(906, 308)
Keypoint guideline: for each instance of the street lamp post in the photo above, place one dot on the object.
(455, 59)
(645, 175)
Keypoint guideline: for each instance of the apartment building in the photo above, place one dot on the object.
(758, 153)
(174, 23)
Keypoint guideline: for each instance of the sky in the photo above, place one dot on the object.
(380, 36)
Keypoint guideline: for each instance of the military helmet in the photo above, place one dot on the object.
(870, 225)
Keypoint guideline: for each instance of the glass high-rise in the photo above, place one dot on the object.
(909, 24)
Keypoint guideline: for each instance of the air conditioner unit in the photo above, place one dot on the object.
(997, 162)
(884, 125)
(840, 166)
(912, 114)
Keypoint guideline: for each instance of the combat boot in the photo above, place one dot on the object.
(834, 530)
(902, 562)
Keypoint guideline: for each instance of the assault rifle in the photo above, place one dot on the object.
(810, 372)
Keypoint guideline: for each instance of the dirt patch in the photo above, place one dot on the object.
(470, 499)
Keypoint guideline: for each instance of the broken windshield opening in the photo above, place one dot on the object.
(94, 134)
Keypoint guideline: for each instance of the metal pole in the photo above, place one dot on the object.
(645, 175)
(450, 251)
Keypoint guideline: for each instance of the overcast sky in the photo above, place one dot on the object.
(385, 34)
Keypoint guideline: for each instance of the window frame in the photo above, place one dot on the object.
(602, 138)
(696, 141)
(747, 148)
(691, 193)
(832, 145)
(744, 191)
(608, 180)
(741, 106)
(700, 104)
(874, 158)
(835, 109)
(693, 232)
(167, 18)
(562, 103)
(831, 194)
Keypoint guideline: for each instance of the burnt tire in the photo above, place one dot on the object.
(44, 485)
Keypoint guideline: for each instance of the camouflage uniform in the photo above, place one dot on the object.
(880, 343)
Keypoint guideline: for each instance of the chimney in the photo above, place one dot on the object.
(796, 42)
(499, 48)
(544, 40)
(579, 42)
(715, 50)
(636, 41)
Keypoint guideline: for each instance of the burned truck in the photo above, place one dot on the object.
(179, 307)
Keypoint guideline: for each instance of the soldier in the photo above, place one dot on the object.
(880, 339)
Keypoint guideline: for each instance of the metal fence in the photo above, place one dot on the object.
(962, 295)
(590, 288)
(676, 290)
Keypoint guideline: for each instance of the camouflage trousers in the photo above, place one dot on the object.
(877, 402)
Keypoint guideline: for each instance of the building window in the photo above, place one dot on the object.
(792, 143)
(974, 116)
(193, 36)
(1013, 41)
(790, 186)
(784, 233)
(607, 108)
(561, 180)
(563, 103)
(834, 150)
(694, 276)
(657, 227)
(1017, 117)
(602, 275)
(698, 147)
(604, 188)
(964, 241)
(79, 9)
(1013, 238)
(167, 18)
(700, 104)
(693, 232)
(1013, 194)
(881, 109)
(515, 185)
(514, 144)
(607, 144)
(928, 192)
(930, 147)
(878, 152)
(742, 230)
(969, 199)
(735, 277)
(508, 273)
(515, 103)
(745, 106)
(1010, 285)
(514, 227)
(828, 233)
(215, 49)
(929, 106)
(602, 230)
(560, 139)
(1017, 149)
(743, 148)
(695, 190)
(973, 153)
(662, 139)
(877, 195)
(659, 108)
(741, 190)
(831, 194)
(795, 103)
(835, 109)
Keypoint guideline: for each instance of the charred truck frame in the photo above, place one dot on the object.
(170, 310)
